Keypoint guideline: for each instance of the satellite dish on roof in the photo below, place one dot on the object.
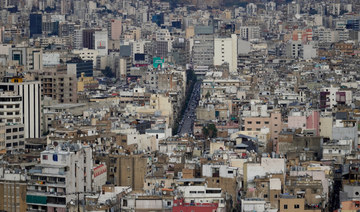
(297, 16)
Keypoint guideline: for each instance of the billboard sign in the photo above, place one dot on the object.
(158, 62)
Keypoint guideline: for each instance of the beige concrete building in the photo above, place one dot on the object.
(12, 192)
(58, 85)
(12, 137)
(190, 32)
(326, 126)
(116, 29)
(128, 170)
(2, 138)
(274, 123)
(294, 204)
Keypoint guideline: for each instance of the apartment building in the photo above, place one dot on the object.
(63, 175)
(58, 85)
(225, 51)
(12, 191)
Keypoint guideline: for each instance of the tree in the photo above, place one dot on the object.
(108, 72)
(207, 96)
(209, 131)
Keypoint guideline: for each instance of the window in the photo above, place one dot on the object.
(275, 196)
(168, 203)
(266, 122)
(265, 196)
(296, 206)
(55, 157)
(125, 203)
(285, 206)
(258, 122)
(213, 191)
(249, 122)
(44, 157)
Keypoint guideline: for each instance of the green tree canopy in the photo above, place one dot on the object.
(209, 131)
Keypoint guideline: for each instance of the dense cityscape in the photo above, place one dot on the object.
(179, 105)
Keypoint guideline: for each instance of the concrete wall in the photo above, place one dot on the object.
(340, 133)
(296, 122)
(326, 126)
(130, 171)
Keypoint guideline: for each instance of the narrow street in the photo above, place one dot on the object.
(187, 121)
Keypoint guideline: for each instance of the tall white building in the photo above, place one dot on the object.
(203, 50)
(30, 93)
(164, 35)
(331, 95)
(225, 51)
(87, 54)
(325, 35)
(335, 9)
(11, 117)
(101, 42)
(78, 39)
(138, 47)
(251, 9)
(249, 32)
(293, 9)
(64, 171)
(294, 49)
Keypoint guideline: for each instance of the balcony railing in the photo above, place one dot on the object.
(46, 193)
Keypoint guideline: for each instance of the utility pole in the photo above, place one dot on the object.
(78, 201)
